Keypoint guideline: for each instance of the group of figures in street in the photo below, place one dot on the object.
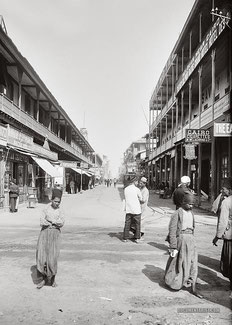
(182, 265)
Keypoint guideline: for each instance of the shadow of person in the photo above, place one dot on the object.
(35, 275)
(155, 274)
(116, 235)
(160, 246)
(214, 289)
(209, 262)
(121, 192)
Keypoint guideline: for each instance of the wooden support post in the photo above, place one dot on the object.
(182, 112)
(20, 76)
(213, 151)
(165, 168)
(37, 103)
(176, 167)
(49, 117)
(199, 174)
(58, 127)
(181, 160)
(190, 117)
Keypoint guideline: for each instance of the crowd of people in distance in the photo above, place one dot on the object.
(109, 182)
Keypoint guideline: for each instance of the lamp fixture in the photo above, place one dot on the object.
(218, 13)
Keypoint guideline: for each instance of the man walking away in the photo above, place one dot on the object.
(133, 198)
(181, 191)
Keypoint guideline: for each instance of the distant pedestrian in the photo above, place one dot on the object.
(161, 190)
(224, 232)
(48, 246)
(181, 191)
(72, 186)
(115, 182)
(133, 198)
(182, 266)
(13, 195)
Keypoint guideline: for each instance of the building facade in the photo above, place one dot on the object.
(35, 131)
(190, 108)
(133, 156)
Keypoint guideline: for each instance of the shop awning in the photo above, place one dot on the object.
(81, 171)
(47, 167)
(87, 174)
(77, 170)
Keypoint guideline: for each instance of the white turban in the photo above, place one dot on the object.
(185, 179)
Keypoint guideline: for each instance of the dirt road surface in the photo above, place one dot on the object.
(102, 280)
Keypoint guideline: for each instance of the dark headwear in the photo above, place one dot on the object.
(132, 179)
(56, 193)
(227, 183)
(188, 199)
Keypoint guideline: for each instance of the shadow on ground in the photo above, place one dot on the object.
(155, 274)
(159, 246)
(35, 275)
(214, 288)
(115, 235)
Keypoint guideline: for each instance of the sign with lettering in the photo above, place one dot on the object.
(19, 139)
(223, 129)
(190, 151)
(198, 135)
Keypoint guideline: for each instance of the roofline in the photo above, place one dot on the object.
(172, 54)
(7, 42)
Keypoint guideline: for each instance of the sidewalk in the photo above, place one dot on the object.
(166, 207)
(205, 205)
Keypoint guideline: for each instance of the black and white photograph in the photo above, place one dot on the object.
(116, 162)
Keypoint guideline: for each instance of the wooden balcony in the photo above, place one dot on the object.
(12, 110)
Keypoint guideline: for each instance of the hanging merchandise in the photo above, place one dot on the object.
(190, 151)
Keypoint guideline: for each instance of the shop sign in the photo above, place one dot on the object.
(19, 139)
(3, 135)
(198, 135)
(222, 129)
(17, 157)
(189, 151)
(84, 165)
(204, 47)
(45, 153)
(70, 164)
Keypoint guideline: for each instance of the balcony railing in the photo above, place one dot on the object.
(12, 110)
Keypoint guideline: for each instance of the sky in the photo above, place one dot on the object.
(101, 59)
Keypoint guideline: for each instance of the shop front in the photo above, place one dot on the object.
(20, 160)
(75, 178)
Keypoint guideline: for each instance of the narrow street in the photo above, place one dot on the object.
(102, 280)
